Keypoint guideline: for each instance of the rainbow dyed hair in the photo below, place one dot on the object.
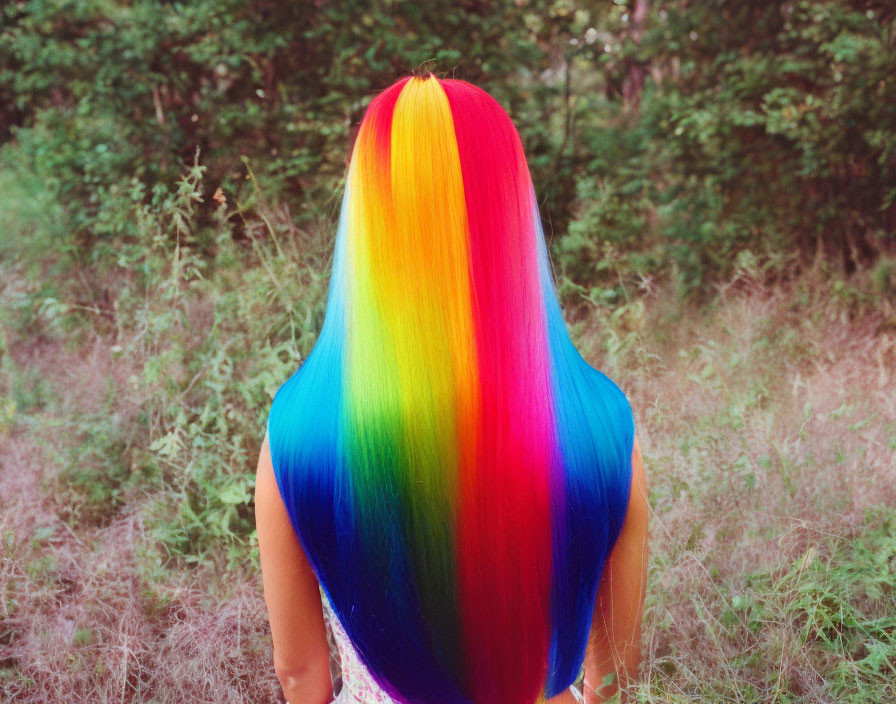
(454, 469)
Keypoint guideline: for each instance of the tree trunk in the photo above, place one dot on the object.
(633, 83)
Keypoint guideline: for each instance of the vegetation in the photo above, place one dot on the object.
(717, 180)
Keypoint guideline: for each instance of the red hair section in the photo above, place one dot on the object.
(504, 521)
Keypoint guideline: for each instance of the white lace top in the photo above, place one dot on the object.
(358, 685)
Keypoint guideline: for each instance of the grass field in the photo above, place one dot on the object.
(130, 422)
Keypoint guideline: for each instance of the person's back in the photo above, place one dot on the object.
(456, 472)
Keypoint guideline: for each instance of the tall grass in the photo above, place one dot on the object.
(133, 394)
(769, 425)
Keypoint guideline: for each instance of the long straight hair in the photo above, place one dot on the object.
(456, 472)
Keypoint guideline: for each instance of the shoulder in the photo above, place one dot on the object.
(270, 511)
(638, 504)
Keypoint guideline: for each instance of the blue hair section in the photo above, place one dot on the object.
(595, 429)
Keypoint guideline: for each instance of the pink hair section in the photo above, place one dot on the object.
(504, 534)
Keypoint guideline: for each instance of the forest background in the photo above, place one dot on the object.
(717, 181)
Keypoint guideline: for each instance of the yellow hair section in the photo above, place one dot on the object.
(411, 353)
(435, 326)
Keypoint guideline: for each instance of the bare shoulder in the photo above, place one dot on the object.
(268, 503)
(638, 507)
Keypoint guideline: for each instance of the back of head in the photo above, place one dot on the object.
(456, 472)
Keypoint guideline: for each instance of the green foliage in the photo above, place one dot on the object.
(171, 175)
(700, 142)
(102, 465)
(760, 126)
(843, 605)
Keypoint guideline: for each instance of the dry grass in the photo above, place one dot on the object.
(769, 431)
(90, 613)
(768, 426)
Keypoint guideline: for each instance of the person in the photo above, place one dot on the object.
(445, 481)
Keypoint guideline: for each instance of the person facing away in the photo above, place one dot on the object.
(463, 489)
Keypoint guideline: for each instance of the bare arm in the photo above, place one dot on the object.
(301, 654)
(614, 647)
